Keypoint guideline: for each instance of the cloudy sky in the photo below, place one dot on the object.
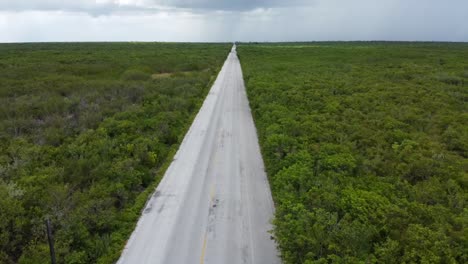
(229, 20)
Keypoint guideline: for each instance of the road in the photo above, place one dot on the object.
(214, 203)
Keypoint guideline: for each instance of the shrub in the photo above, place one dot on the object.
(363, 169)
(449, 79)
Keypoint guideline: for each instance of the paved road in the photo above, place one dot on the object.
(214, 203)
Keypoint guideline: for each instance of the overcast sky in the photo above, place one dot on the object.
(229, 20)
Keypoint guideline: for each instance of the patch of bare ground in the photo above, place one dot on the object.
(161, 75)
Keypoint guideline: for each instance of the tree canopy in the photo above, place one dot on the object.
(366, 148)
(86, 131)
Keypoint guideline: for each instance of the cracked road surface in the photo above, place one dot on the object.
(214, 203)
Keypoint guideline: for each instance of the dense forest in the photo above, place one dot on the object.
(366, 148)
(86, 131)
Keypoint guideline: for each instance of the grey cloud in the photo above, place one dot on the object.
(256, 20)
(236, 5)
(92, 7)
(54, 5)
(110, 6)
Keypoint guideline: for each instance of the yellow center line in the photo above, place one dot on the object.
(202, 257)
(212, 193)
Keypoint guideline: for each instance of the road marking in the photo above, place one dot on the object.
(202, 257)
(205, 162)
(212, 193)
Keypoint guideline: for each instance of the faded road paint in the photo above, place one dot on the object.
(214, 203)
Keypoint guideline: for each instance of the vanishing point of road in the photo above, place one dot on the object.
(214, 203)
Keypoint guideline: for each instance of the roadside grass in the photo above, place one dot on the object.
(86, 134)
(365, 145)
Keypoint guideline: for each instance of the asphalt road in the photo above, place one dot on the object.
(214, 203)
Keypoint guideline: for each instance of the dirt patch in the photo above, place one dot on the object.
(169, 74)
(161, 75)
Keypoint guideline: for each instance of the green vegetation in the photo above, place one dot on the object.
(366, 148)
(85, 135)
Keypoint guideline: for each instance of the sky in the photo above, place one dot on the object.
(233, 20)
